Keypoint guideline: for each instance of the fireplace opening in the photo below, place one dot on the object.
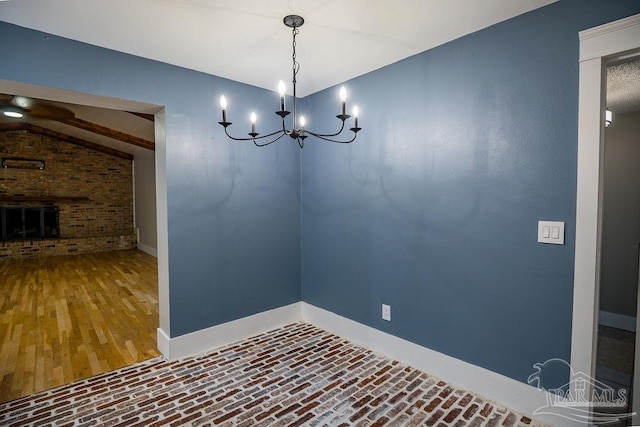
(24, 223)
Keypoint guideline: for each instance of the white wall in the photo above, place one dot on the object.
(145, 200)
(621, 216)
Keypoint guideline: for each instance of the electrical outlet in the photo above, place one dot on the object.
(386, 312)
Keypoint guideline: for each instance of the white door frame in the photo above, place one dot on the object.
(597, 45)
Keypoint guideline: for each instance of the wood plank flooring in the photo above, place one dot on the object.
(66, 318)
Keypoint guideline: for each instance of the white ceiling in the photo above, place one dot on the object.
(623, 87)
(246, 41)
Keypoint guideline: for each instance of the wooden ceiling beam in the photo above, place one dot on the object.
(7, 127)
(150, 117)
(77, 141)
(110, 133)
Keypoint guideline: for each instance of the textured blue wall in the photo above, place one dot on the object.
(434, 208)
(233, 210)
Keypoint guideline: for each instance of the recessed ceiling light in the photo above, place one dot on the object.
(12, 113)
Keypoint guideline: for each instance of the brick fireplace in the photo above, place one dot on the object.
(81, 201)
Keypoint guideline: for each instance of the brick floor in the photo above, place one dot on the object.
(298, 375)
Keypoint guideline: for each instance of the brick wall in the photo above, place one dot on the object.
(93, 190)
(74, 245)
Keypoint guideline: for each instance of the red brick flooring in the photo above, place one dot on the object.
(298, 375)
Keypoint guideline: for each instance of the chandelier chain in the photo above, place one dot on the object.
(296, 65)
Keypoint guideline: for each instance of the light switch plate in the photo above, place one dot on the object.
(551, 232)
(386, 312)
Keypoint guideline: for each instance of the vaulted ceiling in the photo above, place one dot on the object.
(115, 132)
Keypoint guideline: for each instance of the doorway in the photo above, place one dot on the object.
(158, 187)
(620, 227)
(598, 47)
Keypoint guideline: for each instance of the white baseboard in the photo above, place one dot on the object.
(227, 333)
(493, 386)
(163, 342)
(615, 320)
(148, 249)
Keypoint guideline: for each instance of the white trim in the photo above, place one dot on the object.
(504, 390)
(206, 339)
(491, 385)
(163, 342)
(597, 42)
(596, 45)
(635, 405)
(615, 320)
(588, 219)
(133, 191)
(162, 221)
(148, 249)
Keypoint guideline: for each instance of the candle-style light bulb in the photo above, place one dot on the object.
(282, 90)
(303, 121)
(254, 118)
(355, 115)
(223, 105)
(343, 99)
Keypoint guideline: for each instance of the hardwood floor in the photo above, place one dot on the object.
(71, 317)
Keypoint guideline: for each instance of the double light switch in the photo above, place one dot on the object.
(551, 232)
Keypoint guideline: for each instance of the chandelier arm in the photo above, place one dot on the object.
(328, 134)
(253, 138)
(284, 128)
(320, 136)
(267, 143)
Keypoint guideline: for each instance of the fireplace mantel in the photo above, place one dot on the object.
(46, 200)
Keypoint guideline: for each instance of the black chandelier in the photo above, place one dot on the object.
(300, 133)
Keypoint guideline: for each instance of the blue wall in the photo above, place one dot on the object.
(233, 210)
(434, 208)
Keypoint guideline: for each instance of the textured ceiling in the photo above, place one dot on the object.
(623, 87)
(246, 41)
